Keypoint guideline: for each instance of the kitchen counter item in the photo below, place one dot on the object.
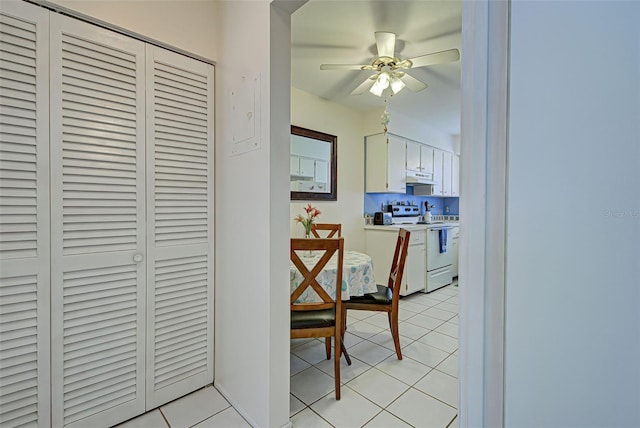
(381, 218)
(404, 213)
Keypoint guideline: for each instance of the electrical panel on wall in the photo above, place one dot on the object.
(246, 115)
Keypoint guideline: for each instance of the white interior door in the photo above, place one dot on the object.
(24, 215)
(98, 219)
(179, 225)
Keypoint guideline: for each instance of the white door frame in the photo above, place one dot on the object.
(483, 184)
(484, 151)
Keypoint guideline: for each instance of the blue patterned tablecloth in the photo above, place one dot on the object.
(357, 276)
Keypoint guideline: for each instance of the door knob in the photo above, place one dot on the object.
(137, 258)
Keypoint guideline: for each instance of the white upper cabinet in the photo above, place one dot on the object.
(390, 158)
(438, 157)
(413, 156)
(307, 167)
(447, 159)
(420, 158)
(322, 171)
(308, 173)
(446, 171)
(455, 176)
(426, 160)
(294, 165)
(385, 164)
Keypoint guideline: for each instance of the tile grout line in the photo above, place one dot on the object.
(370, 366)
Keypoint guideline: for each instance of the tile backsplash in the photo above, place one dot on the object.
(441, 206)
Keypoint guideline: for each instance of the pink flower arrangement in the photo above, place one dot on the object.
(312, 213)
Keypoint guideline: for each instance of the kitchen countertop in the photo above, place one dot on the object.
(395, 227)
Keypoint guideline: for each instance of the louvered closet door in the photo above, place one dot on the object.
(180, 225)
(97, 221)
(24, 216)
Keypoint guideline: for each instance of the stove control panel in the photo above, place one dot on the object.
(404, 210)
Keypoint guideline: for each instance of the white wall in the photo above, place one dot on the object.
(252, 216)
(573, 246)
(456, 143)
(312, 112)
(186, 24)
(407, 127)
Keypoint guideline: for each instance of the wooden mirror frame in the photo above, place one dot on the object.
(332, 195)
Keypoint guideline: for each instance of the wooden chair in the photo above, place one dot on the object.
(333, 228)
(387, 296)
(319, 319)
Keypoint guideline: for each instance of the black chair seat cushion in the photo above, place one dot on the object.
(382, 297)
(313, 319)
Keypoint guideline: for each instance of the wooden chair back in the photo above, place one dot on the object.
(327, 248)
(386, 298)
(397, 265)
(334, 229)
(323, 318)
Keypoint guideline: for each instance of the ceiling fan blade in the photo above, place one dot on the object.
(364, 86)
(346, 67)
(412, 83)
(386, 43)
(450, 55)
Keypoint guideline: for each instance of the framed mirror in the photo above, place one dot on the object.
(313, 165)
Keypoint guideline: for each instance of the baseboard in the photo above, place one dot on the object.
(239, 409)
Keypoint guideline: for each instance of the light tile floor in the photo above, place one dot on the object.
(378, 390)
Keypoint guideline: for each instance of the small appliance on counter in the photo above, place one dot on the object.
(427, 218)
(382, 219)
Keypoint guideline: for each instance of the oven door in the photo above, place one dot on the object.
(436, 259)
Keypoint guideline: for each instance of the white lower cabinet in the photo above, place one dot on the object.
(416, 263)
(455, 234)
(111, 168)
(381, 244)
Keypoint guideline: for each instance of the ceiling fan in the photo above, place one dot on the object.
(390, 69)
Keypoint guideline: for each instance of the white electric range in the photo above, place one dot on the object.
(427, 267)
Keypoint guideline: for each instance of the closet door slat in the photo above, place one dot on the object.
(179, 225)
(97, 213)
(24, 217)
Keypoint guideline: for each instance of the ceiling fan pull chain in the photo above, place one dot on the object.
(386, 116)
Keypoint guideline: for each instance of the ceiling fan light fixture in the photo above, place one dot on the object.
(377, 89)
(382, 82)
(396, 84)
(384, 79)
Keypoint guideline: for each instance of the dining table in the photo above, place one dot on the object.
(357, 275)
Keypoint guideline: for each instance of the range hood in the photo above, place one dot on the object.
(415, 178)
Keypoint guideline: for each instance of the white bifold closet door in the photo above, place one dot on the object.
(132, 225)
(179, 225)
(98, 267)
(24, 216)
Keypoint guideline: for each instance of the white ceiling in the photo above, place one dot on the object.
(342, 32)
